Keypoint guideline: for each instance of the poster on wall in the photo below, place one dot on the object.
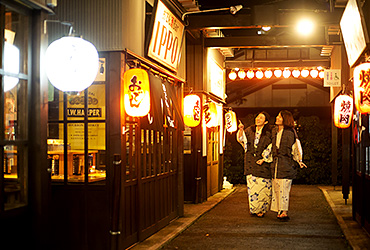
(166, 38)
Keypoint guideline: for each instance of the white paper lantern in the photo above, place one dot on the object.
(71, 63)
(11, 65)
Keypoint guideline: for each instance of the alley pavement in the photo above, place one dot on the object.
(320, 219)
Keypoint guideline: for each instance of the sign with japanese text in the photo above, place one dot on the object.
(332, 78)
(210, 114)
(343, 111)
(230, 120)
(165, 43)
(361, 85)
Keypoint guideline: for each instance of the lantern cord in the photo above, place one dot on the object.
(67, 23)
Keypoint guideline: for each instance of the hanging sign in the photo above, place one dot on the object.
(332, 78)
(343, 110)
(361, 85)
(165, 43)
(192, 110)
(230, 120)
(210, 114)
(136, 92)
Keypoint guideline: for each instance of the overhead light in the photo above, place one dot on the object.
(259, 74)
(314, 73)
(241, 74)
(305, 27)
(305, 73)
(296, 73)
(286, 73)
(278, 73)
(250, 74)
(321, 74)
(268, 74)
(232, 75)
(266, 28)
(234, 9)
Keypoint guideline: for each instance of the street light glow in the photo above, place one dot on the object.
(305, 27)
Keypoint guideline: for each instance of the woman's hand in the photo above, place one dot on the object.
(302, 165)
(241, 125)
(260, 161)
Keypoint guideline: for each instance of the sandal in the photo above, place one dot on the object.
(260, 215)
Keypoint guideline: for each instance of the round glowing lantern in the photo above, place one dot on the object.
(11, 65)
(241, 74)
(259, 74)
(278, 73)
(192, 110)
(268, 74)
(361, 86)
(71, 63)
(230, 120)
(296, 73)
(314, 73)
(136, 92)
(250, 74)
(210, 114)
(321, 74)
(232, 75)
(305, 73)
(286, 73)
(343, 111)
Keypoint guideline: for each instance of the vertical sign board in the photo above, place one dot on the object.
(166, 39)
(353, 32)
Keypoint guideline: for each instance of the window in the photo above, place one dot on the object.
(14, 80)
(76, 135)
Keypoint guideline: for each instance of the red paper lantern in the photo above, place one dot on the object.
(361, 85)
(343, 111)
(192, 110)
(136, 92)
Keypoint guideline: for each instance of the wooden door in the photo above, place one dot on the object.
(212, 160)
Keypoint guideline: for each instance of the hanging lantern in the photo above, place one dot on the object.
(11, 65)
(305, 73)
(296, 73)
(361, 85)
(232, 75)
(278, 73)
(286, 73)
(241, 74)
(71, 63)
(314, 73)
(192, 110)
(210, 114)
(136, 92)
(268, 74)
(250, 74)
(343, 110)
(230, 120)
(259, 74)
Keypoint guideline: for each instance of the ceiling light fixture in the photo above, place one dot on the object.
(232, 9)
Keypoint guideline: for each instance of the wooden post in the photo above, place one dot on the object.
(334, 150)
(116, 201)
(346, 156)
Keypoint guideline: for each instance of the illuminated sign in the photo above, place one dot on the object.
(361, 85)
(353, 32)
(165, 43)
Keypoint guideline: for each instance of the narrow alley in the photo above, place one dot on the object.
(229, 226)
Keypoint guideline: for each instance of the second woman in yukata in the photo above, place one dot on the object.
(255, 140)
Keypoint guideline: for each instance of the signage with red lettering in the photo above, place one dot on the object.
(165, 43)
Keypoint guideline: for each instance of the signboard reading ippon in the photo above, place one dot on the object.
(165, 43)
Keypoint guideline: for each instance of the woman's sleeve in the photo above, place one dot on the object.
(242, 139)
(266, 154)
(297, 151)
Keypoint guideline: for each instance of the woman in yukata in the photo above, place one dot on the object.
(255, 140)
(286, 149)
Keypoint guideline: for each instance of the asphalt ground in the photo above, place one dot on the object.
(228, 225)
